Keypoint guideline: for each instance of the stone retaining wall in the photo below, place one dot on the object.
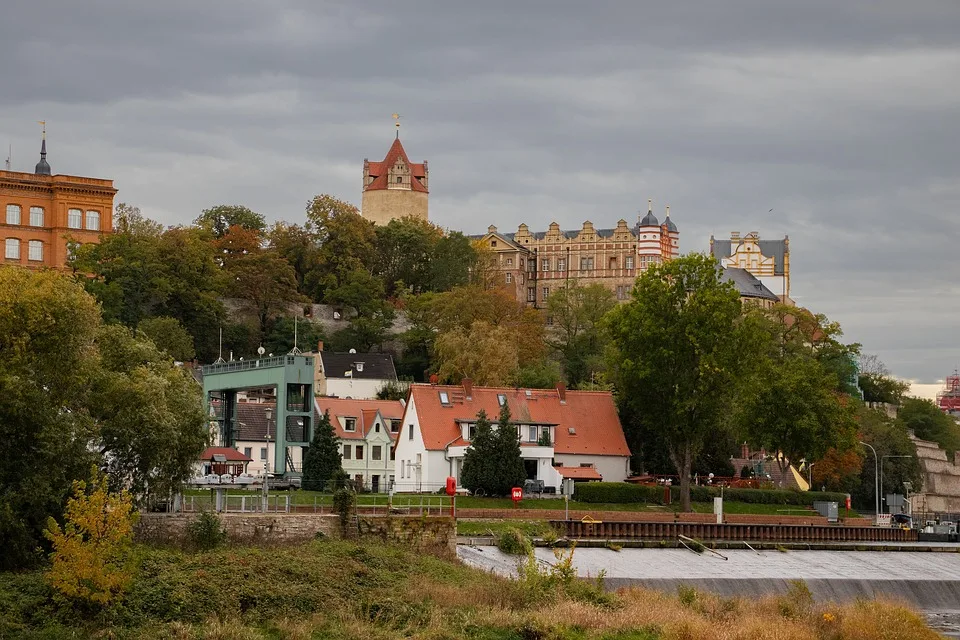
(427, 533)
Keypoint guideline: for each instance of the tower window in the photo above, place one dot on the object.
(509, 278)
(399, 179)
(531, 294)
(74, 218)
(93, 220)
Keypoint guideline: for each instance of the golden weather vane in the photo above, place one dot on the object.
(396, 124)
(43, 123)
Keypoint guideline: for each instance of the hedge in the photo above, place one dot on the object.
(624, 492)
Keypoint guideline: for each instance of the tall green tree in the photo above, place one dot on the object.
(928, 422)
(403, 254)
(492, 463)
(149, 416)
(677, 356)
(258, 275)
(169, 335)
(76, 392)
(297, 245)
(576, 334)
(218, 220)
(346, 243)
(876, 383)
(322, 459)
(794, 409)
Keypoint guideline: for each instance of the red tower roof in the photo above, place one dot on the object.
(379, 170)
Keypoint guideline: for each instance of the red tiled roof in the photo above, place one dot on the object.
(591, 414)
(579, 473)
(380, 169)
(232, 455)
(365, 412)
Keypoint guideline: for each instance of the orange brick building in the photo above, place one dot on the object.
(41, 213)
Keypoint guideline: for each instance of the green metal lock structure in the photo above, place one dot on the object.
(292, 377)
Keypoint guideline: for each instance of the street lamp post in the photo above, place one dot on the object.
(882, 458)
(876, 480)
(810, 475)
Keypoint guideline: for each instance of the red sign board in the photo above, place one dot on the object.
(516, 494)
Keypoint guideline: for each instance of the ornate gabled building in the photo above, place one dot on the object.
(395, 187)
(531, 265)
(768, 260)
(44, 214)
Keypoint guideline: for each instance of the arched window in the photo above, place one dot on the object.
(35, 250)
(13, 214)
(36, 216)
(93, 220)
(75, 218)
(11, 249)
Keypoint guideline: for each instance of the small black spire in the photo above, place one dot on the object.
(43, 167)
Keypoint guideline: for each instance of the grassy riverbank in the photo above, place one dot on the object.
(332, 589)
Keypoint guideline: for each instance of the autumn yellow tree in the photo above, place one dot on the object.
(91, 552)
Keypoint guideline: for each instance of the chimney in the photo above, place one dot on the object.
(562, 392)
(468, 388)
(434, 379)
(319, 346)
(744, 451)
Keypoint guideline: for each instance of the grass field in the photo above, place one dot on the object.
(347, 591)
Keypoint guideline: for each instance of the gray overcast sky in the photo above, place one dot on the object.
(840, 116)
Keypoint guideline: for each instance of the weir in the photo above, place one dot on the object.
(927, 580)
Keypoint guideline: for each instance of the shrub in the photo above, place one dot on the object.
(92, 564)
(343, 501)
(205, 532)
(514, 542)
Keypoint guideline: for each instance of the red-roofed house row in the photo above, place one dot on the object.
(573, 434)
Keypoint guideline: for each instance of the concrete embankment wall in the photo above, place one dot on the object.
(415, 531)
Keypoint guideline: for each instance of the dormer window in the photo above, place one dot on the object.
(350, 424)
(399, 179)
(444, 398)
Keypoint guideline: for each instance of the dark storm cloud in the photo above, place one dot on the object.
(839, 116)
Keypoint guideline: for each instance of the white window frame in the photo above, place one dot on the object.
(546, 293)
(14, 214)
(561, 264)
(35, 250)
(11, 249)
(92, 215)
(347, 452)
(629, 262)
(545, 264)
(36, 214)
(509, 278)
(350, 424)
(74, 219)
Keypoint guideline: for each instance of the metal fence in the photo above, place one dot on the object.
(249, 502)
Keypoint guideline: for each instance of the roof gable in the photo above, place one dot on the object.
(380, 169)
(590, 415)
(365, 412)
